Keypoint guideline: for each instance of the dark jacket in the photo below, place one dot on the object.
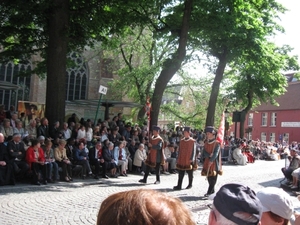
(14, 149)
(92, 157)
(78, 155)
(3, 153)
(107, 155)
(43, 131)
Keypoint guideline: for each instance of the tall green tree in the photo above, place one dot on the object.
(137, 54)
(235, 27)
(52, 28)
(173, 63)
(163, 51)
(257, 77)
(192, 100)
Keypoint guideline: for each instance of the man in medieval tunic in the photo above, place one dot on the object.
(210, 154)
(186, 158)
(155, 156)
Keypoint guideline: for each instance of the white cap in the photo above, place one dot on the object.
(277, 201)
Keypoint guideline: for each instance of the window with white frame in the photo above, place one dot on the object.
(272, 137)
(263, 136)
(264, 119)
(250, 119)
(273, 119)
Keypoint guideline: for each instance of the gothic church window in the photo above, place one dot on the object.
(9, 72)
(76, 78)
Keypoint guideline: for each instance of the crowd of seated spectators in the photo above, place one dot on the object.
(243, 151)
(109, 148)
(43, 153)
(46, 153)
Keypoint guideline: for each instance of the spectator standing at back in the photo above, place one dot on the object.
(10, 112)
(2, 113)
(81, 134)
(71, 119)
(126, 133)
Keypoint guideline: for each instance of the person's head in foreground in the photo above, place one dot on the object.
(235, 204)
(143, 207)
(277, 206)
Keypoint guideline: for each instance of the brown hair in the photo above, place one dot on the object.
(48, 142)
(143, 207)
(277, 218)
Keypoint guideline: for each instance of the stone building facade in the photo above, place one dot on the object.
(83, 78)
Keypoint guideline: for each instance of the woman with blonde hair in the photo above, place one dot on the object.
(62, 160)
(143, 207)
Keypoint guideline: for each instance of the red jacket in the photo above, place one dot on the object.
(30, 157)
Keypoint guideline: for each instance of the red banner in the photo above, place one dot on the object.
(220, 135)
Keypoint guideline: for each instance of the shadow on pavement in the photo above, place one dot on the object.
(51, 187)
(191, 198)
(272, 183)
(136, 184)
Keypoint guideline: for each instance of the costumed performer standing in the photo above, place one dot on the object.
(212, 159)
(186, 158)
(155, 156)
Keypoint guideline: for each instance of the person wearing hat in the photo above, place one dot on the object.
(186, 158)
(210, 155)
(155, 156)
(277, 206)
(235, 204)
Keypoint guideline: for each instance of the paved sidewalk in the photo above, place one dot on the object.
(78, 202)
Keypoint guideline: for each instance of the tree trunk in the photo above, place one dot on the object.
(246, 110)
(210, 117)
(141, 114)
(171, 65)
(57, 60)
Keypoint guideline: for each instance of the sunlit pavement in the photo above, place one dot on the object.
(78, 202)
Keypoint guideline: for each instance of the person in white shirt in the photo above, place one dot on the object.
(67, 133)
(139, 158)
(240, 158)
(169, 160)
(81, 134)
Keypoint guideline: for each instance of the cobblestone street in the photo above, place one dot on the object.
(78, 202)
